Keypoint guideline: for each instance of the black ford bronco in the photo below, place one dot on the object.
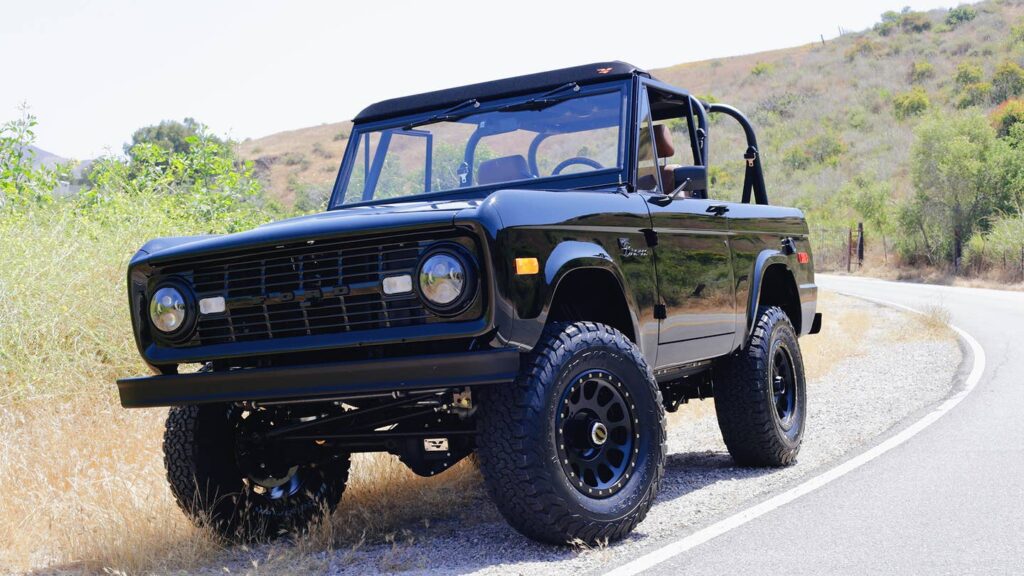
(529, 269)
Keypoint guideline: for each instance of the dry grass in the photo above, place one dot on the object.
(90, 494)
(932, 275)
(931, 325)
(842, 329)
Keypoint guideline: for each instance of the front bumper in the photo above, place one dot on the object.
(322, 380)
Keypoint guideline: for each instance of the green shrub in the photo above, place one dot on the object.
(890, 21)
(960, 15)
(295, 159)
(921, 71)
(1017, 34)
(341, 135)
(310, 198)
(322, 152)
(21, 181)
(913, 103)
(976, 94)
(1007, 82)
(915, 22)
(862, 47)
(968, 73)
(823, 149)
(1001, 246)
(762, 69)
(885, 27)
(857, 118)
(1006, 116)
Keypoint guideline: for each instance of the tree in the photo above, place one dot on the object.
(951, 161)
(960, 15)
(1007, 115)
(170, 135)
(1007, 82)
(873, 201)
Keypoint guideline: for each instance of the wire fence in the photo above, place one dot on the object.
(845, 249)
(835, 248)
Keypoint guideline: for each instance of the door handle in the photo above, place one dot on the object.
(717, 209)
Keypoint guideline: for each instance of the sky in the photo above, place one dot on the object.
(93, 72)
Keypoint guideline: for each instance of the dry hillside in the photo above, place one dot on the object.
(825, 112)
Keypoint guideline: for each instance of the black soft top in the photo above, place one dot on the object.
(587, 73)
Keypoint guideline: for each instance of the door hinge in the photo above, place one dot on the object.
(660, 312)
(651, 237)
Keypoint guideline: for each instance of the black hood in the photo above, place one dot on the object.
(345, 221)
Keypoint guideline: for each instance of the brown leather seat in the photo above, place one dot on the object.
(666, 149)
(504, 169)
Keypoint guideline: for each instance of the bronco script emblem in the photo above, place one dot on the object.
(628, 250)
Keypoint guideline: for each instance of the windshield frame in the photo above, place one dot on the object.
(608, 177)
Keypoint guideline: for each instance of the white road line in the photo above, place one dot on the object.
(703, 535)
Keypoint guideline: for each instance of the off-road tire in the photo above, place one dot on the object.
(751, 426)
(517, 440)
(200, 458)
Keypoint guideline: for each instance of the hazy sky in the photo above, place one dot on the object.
(94, 71)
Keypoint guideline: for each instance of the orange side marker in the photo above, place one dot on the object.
(527, 266)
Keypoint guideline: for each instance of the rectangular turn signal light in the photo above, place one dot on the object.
(526, 266)
(803, 257)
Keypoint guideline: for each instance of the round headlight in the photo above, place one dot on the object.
(167, 309)
(444, 280)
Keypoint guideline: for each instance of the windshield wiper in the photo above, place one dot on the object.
(445, 116)
(544, 100)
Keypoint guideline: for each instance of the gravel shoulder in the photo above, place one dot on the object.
(871, 369)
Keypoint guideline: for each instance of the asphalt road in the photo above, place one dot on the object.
(948, 501)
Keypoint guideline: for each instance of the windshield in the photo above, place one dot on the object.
(540, 137)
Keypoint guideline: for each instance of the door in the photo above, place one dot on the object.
(692, 254)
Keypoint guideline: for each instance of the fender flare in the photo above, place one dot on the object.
(571, 256)
(765, 260)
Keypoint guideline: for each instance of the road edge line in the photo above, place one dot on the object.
(740, 518)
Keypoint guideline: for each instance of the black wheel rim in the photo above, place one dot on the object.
(783, 381)
(596, 434)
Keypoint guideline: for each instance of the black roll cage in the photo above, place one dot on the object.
(699, 111)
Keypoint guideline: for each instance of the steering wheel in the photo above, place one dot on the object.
(576, 160)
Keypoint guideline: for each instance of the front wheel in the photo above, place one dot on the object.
(574, 449)
(223, 477)
(760, 394)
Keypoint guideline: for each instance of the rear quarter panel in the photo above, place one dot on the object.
(756, 229)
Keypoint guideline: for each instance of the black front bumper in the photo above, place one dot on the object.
(322, 380)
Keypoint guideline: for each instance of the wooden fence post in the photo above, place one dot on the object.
(860, 244)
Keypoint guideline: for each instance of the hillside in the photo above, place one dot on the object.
(826, 112)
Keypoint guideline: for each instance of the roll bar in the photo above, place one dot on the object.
(753, 179)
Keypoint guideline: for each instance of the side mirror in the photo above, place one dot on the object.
(697, 178)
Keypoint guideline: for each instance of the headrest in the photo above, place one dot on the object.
(663, 141)
(504, 169)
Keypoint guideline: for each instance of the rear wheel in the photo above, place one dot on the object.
(574, 449)
(760, 394)
(224, 477)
